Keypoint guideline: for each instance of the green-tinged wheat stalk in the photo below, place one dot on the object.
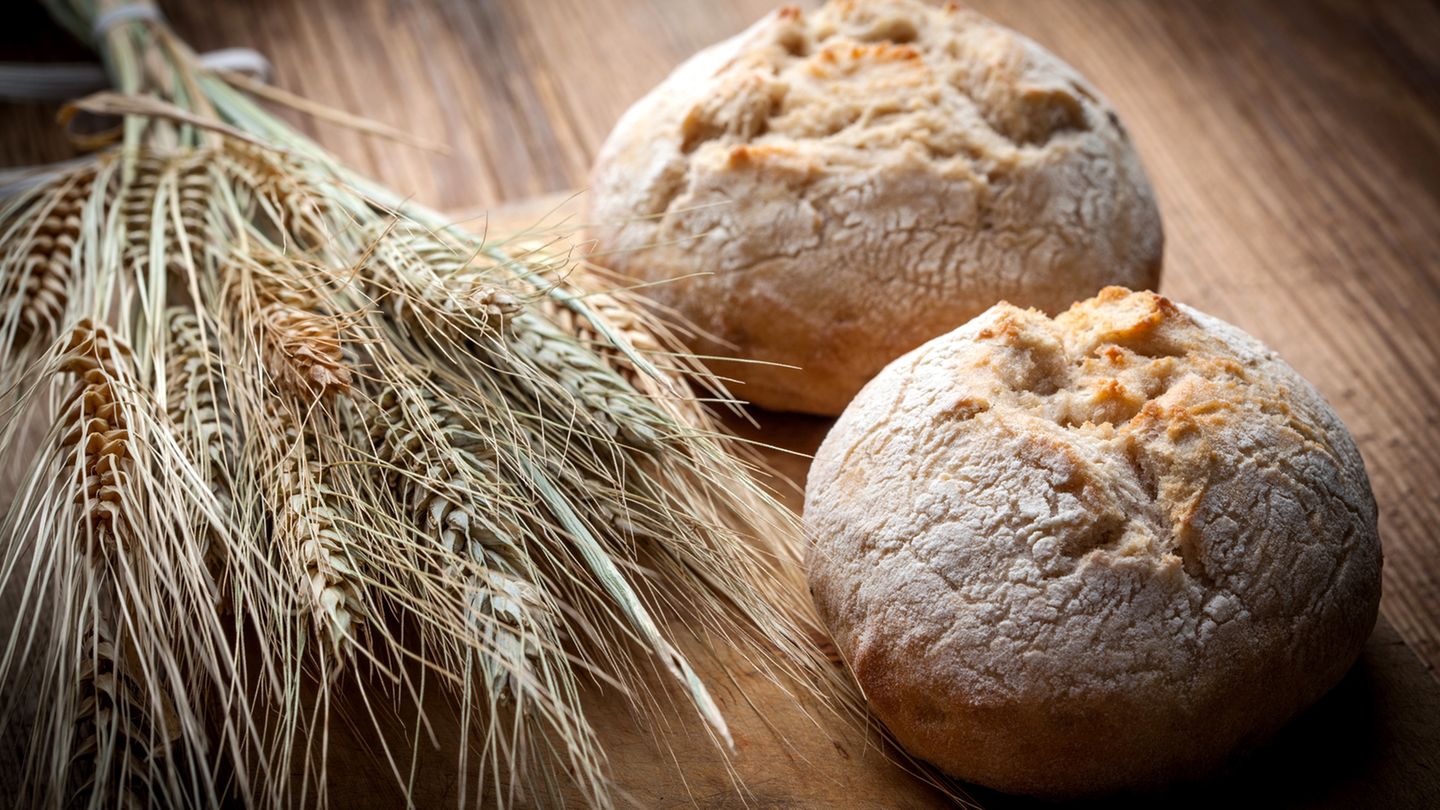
(447, 474)
(583, 381)
(309, 525)
(432, 288)
(368, 437)
(199, 414)
(399, 455)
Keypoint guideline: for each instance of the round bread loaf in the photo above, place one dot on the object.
(1094, 553)
(830, 190)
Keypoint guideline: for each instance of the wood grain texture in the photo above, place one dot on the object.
(1294, 145)
(1374, 741)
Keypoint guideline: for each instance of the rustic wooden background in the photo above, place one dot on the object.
(1294, 145)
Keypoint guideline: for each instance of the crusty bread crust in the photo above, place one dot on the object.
(1094, 553)
(859, 179)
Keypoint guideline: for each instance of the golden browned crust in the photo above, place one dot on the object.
(853, 181)
(1093, 553)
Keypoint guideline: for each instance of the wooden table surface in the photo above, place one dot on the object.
(1294, 146)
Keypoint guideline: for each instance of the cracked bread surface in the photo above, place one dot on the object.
(830, 189)
(1099, 552)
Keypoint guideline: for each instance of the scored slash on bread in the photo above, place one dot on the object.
(830, 189)
(1098, 552)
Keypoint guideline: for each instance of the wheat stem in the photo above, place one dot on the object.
(439, 456)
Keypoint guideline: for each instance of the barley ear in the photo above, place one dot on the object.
(309, 525)
(304, 353)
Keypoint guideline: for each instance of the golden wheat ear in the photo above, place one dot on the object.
(119, 692)
(312, 453)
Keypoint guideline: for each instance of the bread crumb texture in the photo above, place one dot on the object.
(1095, 553)
(830, 189)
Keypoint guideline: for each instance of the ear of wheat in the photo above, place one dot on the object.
(305, 439)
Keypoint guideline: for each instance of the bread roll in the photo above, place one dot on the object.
(1101, 552)
(831, 189)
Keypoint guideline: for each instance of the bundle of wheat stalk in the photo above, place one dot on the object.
(300, 439)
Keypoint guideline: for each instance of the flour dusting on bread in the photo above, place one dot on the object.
(830, 189)
(1100, 551)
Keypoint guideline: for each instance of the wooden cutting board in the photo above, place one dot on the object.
(1372, 742)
